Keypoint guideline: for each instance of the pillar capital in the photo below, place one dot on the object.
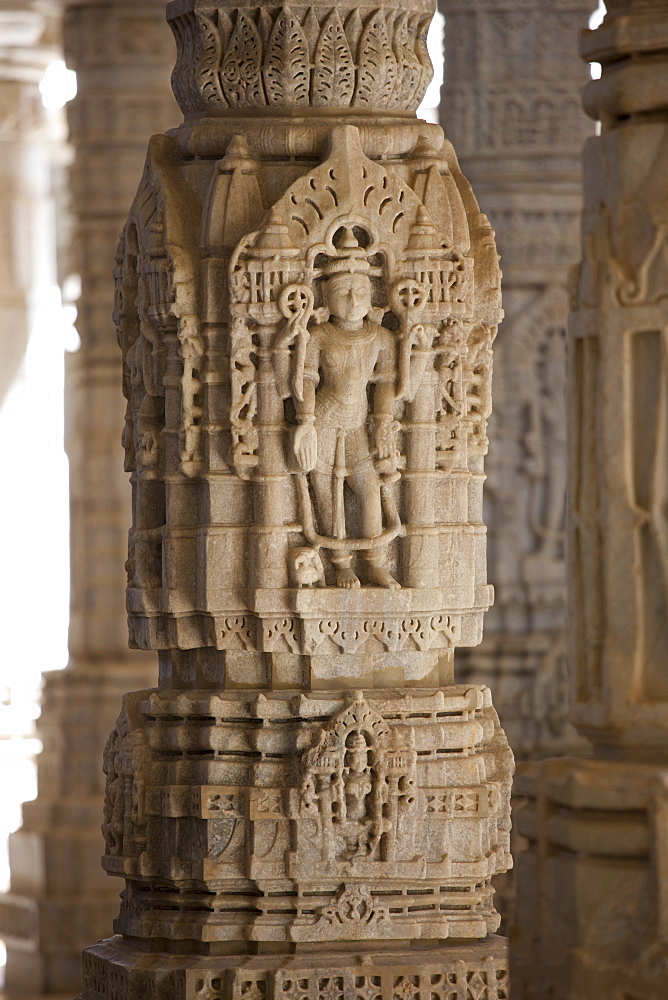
(324, 59)
(631, 45)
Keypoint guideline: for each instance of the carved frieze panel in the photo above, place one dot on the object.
(474, 972)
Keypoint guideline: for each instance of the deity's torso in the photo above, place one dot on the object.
(345, 363)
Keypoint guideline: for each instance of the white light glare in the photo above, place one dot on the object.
(595, 21)
(58, 85)
(435, 39)
(71, 293)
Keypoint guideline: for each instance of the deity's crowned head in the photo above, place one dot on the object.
(347, 289)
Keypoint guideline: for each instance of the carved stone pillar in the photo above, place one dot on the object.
(307, 806)
(593, 886)
(123, 55)
(511, 106)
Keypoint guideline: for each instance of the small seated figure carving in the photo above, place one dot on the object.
(305, 567)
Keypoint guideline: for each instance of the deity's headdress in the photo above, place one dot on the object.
(352, 257)
(356, 742)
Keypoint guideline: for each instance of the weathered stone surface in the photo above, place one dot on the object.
(307, 296)
(472, 971)
(319, 818)
(593, 886)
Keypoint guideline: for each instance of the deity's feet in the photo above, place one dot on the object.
(379, 577)
(346, 578)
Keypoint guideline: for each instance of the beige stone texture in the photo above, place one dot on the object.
(511, 106)
(593, 885)
(307, 295)
(59, 898)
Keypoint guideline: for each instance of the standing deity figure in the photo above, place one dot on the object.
(346, 356)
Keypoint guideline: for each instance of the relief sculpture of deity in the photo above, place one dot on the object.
(345, 357)
(348, 341)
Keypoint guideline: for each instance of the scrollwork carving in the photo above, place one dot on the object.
(241, 65)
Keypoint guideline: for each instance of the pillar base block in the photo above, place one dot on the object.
(471, 971)
(592, 885)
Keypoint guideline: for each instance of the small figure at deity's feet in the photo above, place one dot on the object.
(379, 577)
(346, 578)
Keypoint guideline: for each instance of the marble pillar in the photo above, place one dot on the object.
(28, 43)
(122, 53)
(28, 133)
(511, 106)
(307, 805)
(593, 885)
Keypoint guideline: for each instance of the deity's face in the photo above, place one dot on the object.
(348, 299)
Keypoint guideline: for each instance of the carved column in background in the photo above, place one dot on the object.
(28, 286)
(307, 806)
(27, 249)
(592, 914)
(123, 55)
(511, 106)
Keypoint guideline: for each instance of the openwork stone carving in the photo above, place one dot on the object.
(306, 304)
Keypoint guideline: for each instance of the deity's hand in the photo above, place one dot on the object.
(423, 336)
(384, 437)
(305, 445)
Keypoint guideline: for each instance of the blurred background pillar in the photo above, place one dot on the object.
(60, 899)
(30, 348)
(592, 888)
(511, 106)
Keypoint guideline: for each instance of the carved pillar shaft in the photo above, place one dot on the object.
(306, 806)
(123, 59)
(511, 105)
(592, 890)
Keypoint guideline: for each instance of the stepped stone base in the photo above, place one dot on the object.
(478, 971)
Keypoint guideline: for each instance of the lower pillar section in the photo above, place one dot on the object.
(475, 971)
(281, 835)
(592, 886)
